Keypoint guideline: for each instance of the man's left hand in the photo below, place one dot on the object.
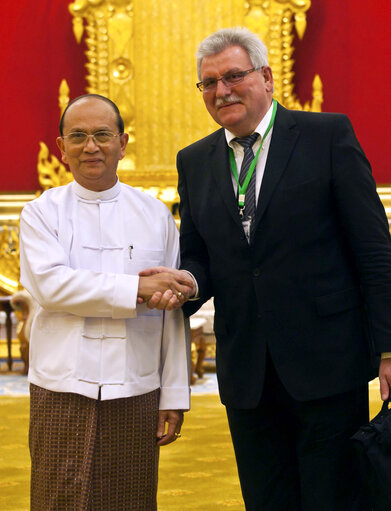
(385, 378)
(174, 421)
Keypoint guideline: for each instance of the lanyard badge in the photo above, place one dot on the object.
(242, 189)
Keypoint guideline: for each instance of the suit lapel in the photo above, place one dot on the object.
(285, 133)
(219, 166)
(284, 136)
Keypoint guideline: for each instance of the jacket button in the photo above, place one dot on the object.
(256, 272)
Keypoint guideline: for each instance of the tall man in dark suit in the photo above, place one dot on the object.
(298, 259)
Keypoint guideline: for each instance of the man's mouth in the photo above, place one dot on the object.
(92, 160)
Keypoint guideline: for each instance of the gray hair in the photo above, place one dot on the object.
(238, 36)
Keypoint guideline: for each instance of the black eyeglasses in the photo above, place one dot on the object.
(229, 79)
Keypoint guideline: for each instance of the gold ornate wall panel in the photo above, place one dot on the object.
(276, 23)
(9, 258)
(141, 54)
(10, 207)
(108, 27)
(170, 112)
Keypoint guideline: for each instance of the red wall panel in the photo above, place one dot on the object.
(347, 43)
(37, 51)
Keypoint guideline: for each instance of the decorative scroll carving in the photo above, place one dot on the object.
(63, 97)
(51, 172)
(110, 53)
(274, 22)
(140, 53)
(144, 50)
(9, 258)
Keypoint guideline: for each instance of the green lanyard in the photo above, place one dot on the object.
(242, 189)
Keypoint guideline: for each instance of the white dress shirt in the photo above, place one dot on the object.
(239, 154)
(81, 252)
(239, 151)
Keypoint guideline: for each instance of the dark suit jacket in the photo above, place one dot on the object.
(317, 278)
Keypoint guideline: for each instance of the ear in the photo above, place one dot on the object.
(60, 145)
(123, 140)
(268, 77)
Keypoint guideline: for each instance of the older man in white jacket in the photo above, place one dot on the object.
(108, 375)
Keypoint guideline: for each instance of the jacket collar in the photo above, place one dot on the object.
(284, 136)
(90, 195)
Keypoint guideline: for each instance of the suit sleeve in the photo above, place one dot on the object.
(194, 254)
(365, 224)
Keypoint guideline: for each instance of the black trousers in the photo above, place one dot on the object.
(297, 456)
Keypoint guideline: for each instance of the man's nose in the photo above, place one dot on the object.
(222, 89)
(91, 145)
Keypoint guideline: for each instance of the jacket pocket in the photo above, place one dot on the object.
(139, 259)
(338, 302)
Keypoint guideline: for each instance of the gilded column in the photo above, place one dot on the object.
(110, 53)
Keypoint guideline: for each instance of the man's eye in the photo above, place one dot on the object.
(77, 138)
(103, 136)
(231, 77)
(209, 83)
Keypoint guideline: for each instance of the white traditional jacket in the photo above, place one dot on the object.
(80, 254)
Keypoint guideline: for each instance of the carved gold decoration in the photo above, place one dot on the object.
(317, 96)
(51, 172)
(274, 22)
(140, 53)
(10, 208)
(385, 196)
(63, 98)
(110, 53)
(9, 258)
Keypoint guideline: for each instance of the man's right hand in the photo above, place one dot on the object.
(165, 288)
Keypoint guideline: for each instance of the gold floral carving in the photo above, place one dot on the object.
(140, 53)
(109, 38)
(51, 172)
(63, 96)
(9, 258)
(274, 22)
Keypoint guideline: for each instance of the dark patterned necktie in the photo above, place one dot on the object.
(247, 143)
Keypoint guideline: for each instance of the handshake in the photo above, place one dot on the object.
(165, 288)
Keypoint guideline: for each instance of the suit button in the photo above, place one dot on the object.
(256, 272)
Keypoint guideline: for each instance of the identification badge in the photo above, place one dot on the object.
(247, 227)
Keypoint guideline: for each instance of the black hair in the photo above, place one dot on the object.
(120, 121)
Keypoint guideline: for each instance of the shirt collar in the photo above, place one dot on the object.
(105, 195)
(260, 129)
